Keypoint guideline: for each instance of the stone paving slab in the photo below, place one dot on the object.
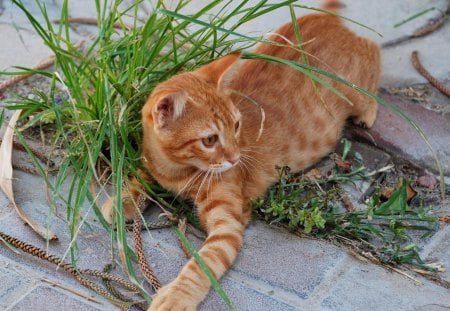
(243, 298)
(20, 48)
(297, 265)
(438, 250)
(32, 270)
(273, 264)
(24, 281)
(394, 135)
(369, 287)
(53, 299)
(13, 285)
(275, 269)
(93, 242)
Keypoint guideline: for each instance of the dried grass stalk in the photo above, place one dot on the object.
(92, 21)
(6, 175)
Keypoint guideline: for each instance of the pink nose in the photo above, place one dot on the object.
(233, 159)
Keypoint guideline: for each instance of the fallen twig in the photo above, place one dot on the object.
(381, 170)
(25, 168)
(37, 153)
(405, 274)
(73, 291)
(431, 26)
(436, 278)
(91, 21)
(445, 219)
(347, 202)
(434, 82)
(43, 64)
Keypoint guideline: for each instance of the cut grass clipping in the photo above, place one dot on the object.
(95, 99)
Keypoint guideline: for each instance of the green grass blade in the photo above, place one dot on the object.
(2, 117)
(205, 269)
(340, 16)
(298, 66)
(205, 24)
(414, 17)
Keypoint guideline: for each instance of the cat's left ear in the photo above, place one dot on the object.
(220, 71)
(168, 109)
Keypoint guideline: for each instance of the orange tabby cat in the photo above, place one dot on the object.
(204, 137)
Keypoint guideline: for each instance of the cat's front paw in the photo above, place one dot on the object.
(173, 297)
(108, 210)
(129, 208)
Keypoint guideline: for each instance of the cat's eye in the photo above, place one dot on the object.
(236, 126)
(210, 140)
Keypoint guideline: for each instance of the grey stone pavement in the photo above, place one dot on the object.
(276, 270)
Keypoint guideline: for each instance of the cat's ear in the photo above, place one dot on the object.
(168, 109)
(220, 71)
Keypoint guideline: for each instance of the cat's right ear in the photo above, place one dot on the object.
(221, 71)
(168, 109)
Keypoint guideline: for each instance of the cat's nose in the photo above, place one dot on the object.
(233, 159)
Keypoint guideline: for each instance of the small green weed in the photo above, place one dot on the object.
(383, 229)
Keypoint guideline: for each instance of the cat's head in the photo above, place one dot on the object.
(189, 120)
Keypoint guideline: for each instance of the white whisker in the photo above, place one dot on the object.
(242, 167)
(208, 187)
(250, 161)
(201, 184)
(188, 186)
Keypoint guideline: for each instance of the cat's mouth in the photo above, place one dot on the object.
(222, 167)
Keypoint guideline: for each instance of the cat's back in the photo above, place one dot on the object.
(326, 44)
(303, 119)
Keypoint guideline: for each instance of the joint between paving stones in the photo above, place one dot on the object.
(436, 241)
(274, 292)
(329, 281)
(22, 285)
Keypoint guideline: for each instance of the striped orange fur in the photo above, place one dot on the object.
(203, 139)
